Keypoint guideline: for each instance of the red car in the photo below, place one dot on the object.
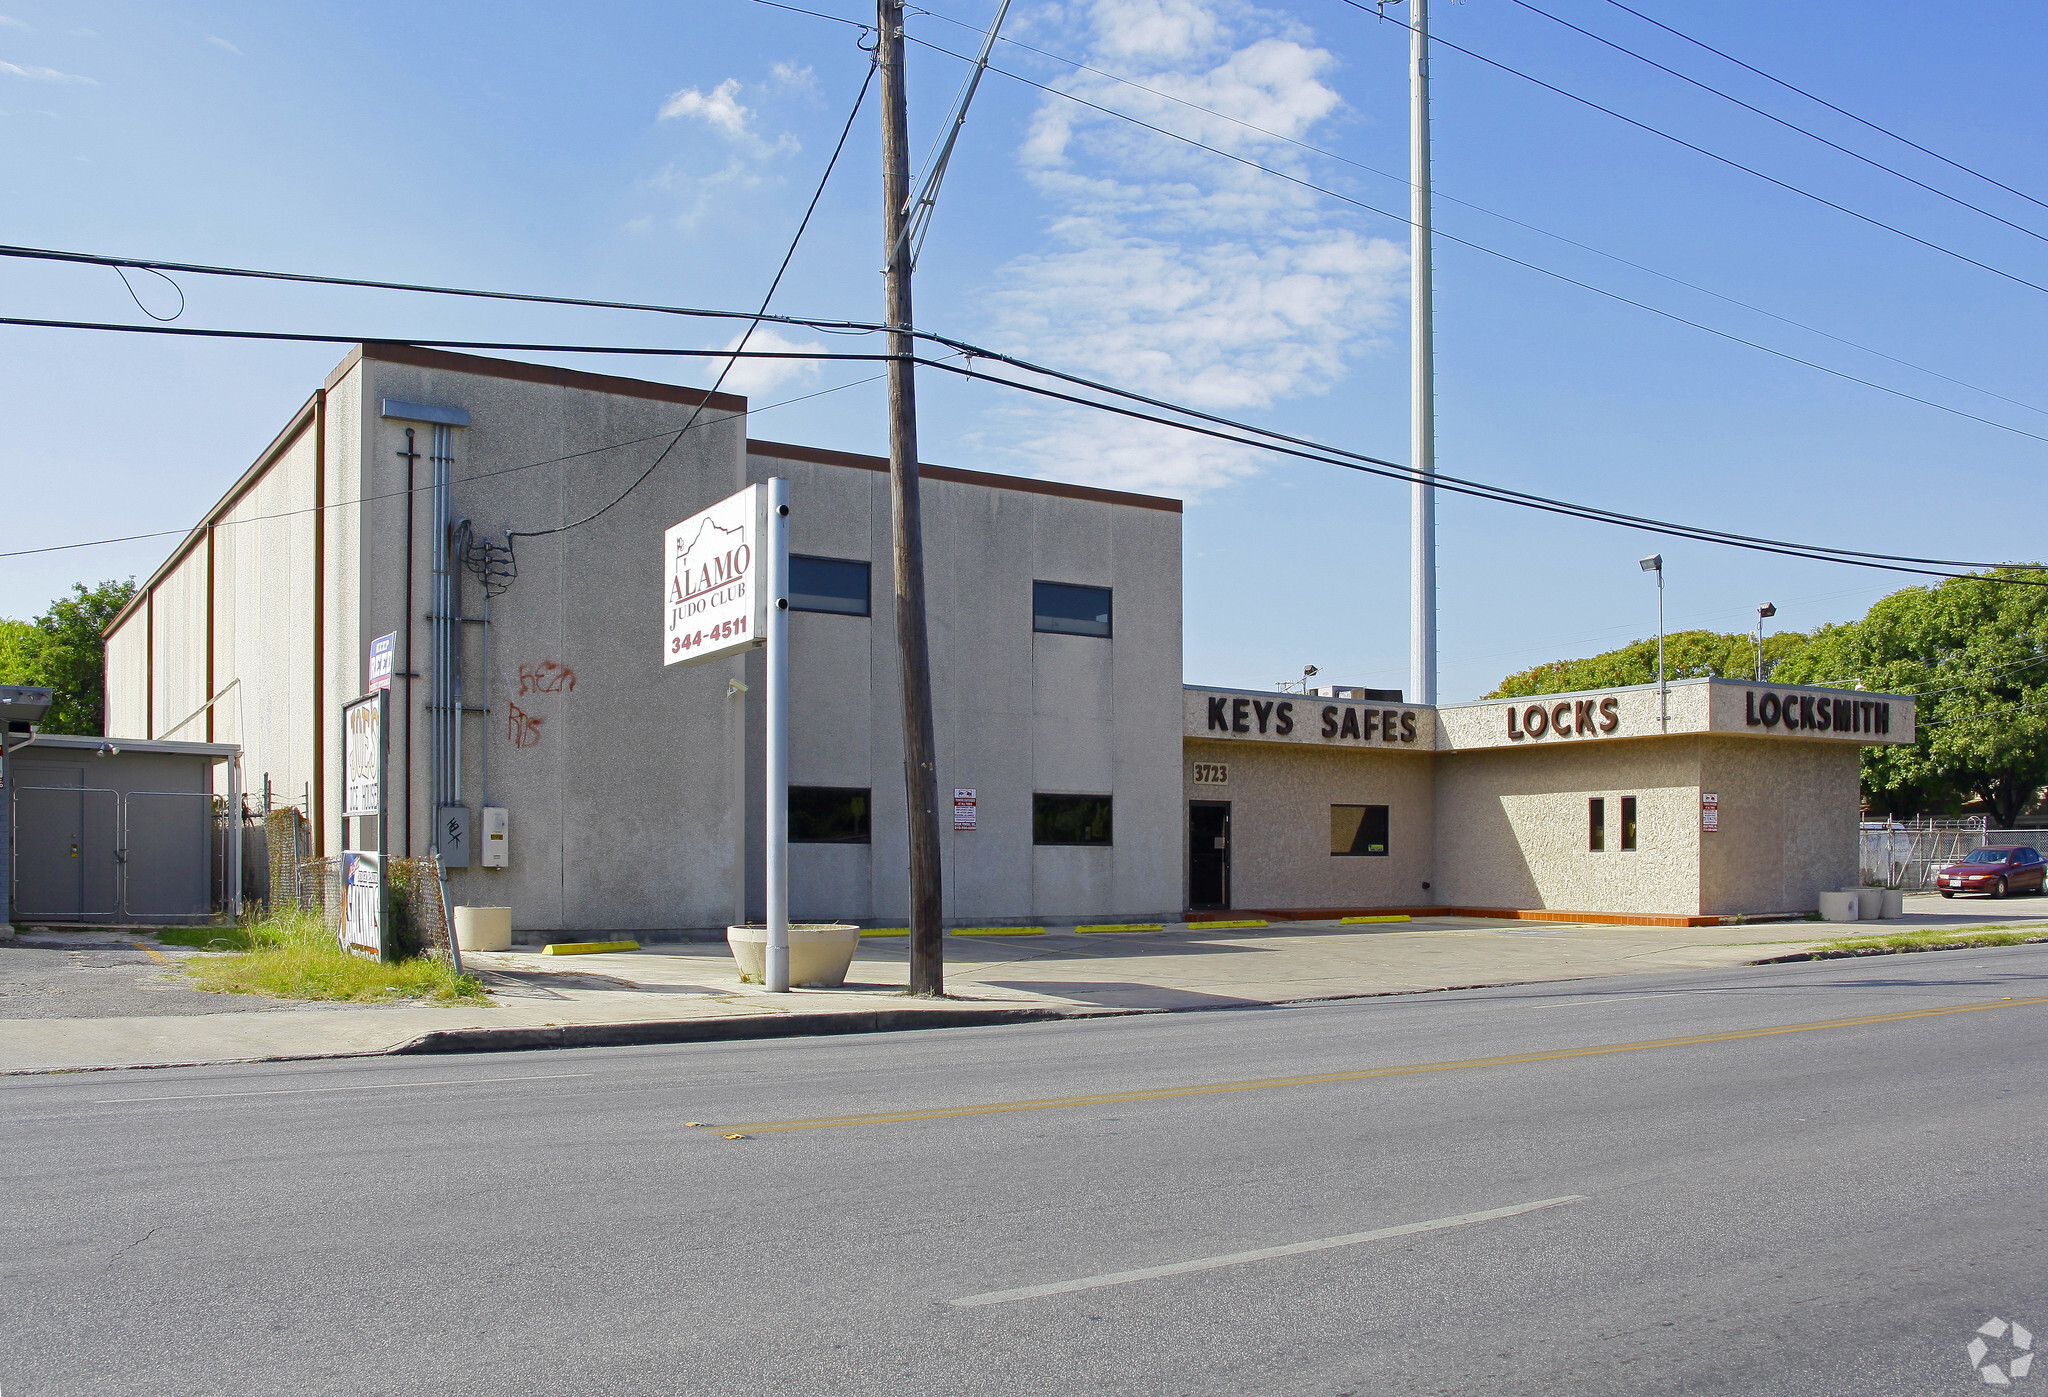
(1997, 870)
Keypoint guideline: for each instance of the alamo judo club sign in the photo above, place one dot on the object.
(711, 592)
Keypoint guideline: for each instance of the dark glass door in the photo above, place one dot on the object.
(1208, 854)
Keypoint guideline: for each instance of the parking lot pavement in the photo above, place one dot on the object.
(103, 975)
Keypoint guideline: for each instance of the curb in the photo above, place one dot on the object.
(737, 1028)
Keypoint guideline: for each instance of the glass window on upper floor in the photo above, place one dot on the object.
(1063, 608)
(828, 584)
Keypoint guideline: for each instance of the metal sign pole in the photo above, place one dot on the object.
(384, 947)
(777, 795)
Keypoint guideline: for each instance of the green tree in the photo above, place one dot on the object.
(21, 653)
(1687, 655)
(1974, 652)
(64, 652)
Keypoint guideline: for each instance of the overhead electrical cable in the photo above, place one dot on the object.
(752, 411)
(1503, 256)
(1266, 439)
(1439, 194)
(752, 325)
(1729, 161)
(1781, 121)
(1839, 111)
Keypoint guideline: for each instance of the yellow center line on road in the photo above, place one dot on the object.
(1114, 1098)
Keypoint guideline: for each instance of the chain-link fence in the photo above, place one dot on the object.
(1907, 854)
(419, 913)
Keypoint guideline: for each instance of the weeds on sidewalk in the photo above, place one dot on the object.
(1931, 939)
(292, 955)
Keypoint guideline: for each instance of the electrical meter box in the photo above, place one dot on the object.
(497, 848)
(451, 835)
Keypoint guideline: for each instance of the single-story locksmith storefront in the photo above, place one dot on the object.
(1720, 797)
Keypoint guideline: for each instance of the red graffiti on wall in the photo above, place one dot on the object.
(547, 677)
(524, 728)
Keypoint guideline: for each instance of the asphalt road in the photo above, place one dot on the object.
(1735, 1201)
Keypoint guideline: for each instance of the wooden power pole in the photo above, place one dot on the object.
(920, 756)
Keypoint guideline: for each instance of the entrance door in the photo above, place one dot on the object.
(1208, 854)
(65, 834)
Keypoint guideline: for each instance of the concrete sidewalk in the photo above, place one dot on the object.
(691, 991)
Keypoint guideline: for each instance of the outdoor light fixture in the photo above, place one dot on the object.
(1653, 563)
(1309, 671)
(1763, 613)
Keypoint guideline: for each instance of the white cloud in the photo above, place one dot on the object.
(10, 22)
(16, 70)
(1174, 272)
(722, 110)
(219, 42)
(752, 376)
(793, 78)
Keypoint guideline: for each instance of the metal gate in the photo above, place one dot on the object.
(84, 853)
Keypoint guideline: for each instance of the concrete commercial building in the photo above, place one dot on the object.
(502, 524)
(632, 790)
(1722, 797)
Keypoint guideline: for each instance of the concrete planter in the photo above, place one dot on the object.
(1869, 903)
(483, 928)
(819, 953)
(1894, 903)
(1839, 906)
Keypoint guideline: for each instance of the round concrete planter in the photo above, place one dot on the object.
(483, 928)
(1869, 903)
(1838, 906)
(819, 953)
(1894, 903)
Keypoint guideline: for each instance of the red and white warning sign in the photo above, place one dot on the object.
(963, 808)
(1710, 812)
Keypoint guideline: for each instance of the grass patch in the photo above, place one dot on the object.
(1931, 939)
(292, 955)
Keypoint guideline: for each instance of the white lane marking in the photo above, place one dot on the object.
(370, 1086)
(1589, 1000)
(1210, 1263)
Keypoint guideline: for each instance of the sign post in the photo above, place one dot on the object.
(725, 590)
(366, 893)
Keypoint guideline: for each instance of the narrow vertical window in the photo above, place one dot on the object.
(1628, 822)
(1596, 825)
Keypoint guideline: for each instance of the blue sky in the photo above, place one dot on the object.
(664, 153)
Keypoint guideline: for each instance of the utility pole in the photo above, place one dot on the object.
(1422, 372)
(920, 758)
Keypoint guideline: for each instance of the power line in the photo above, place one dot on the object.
(1729, 161)
(751, 411)
(1788, 125)
(1260, 438)
(1447, 198)
(1839, 111)
(1371, 465)
(752, 325)
(1507, 257)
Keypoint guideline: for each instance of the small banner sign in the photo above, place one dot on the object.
(362, 906)
(381, 649)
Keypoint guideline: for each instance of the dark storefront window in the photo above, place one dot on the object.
(828, 584)
(1065, 609)
(1596, 825)
(1628, 822)
(828, 815)
(1358, 830)
(1070, 819)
